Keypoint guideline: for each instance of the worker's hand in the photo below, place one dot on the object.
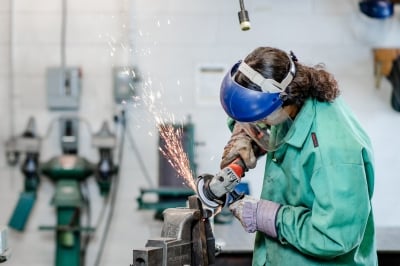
(245, 210)
(240, 145)
(256, 215)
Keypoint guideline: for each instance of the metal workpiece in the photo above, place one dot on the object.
(186, 239)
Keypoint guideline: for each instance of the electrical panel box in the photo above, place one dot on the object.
(63, 88)
(126, 80)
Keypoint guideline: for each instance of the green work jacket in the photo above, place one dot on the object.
(323, 175)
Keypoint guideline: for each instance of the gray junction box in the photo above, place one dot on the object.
(63, 88)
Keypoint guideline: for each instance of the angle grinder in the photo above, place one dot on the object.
(216, 190)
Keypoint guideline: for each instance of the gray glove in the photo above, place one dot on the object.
(240, 145)
(256, 215)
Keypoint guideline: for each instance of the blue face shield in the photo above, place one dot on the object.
(246, 105)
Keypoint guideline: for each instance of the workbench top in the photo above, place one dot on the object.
(233, 239)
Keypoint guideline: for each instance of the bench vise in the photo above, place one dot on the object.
(186, 239)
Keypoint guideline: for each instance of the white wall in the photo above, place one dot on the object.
(168, 40)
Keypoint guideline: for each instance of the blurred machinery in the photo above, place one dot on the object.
(394, 78)
(28, 145)
(378, 9)
(5, 251)
(171, 191)
(387, 64)
(68, 171)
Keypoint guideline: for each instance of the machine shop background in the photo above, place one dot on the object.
(170, 43)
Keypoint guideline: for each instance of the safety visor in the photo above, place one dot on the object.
(268, 137)
(246, 105)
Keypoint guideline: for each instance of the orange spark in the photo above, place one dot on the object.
(173, 151)
(173, 148)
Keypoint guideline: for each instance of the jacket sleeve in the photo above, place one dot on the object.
(337, 220)
(231, 123)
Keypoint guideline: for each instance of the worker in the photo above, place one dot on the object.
(315, 205)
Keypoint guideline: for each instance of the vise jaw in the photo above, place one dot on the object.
(186, 239)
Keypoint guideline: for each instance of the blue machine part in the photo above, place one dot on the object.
(243, 187)
(379, 9)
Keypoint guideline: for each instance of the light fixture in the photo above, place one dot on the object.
(243, 17)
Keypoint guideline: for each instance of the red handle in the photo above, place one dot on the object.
(237, 167)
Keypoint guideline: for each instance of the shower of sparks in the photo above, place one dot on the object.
(172, 136)
(174, 153)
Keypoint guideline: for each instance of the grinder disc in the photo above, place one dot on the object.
(200, 186)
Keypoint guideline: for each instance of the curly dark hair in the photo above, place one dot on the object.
(309, 82)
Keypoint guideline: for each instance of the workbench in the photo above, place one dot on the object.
(232, 237)
(237, 245)
(388, 244)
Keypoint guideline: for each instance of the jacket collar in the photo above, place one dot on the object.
(302, 124)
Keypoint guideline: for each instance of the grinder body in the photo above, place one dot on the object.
(213, 190)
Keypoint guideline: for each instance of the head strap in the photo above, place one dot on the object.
(268, 85)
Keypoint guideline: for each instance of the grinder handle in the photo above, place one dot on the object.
(238, 167)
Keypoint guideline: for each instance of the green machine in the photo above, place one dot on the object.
(29, 144)
(68, 172)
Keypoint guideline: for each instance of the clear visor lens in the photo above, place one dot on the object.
(276, 117)
(270, 132)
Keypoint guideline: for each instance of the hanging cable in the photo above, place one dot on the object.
(63, 35)
(114, 190)
(11, 102)
(11, 113)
